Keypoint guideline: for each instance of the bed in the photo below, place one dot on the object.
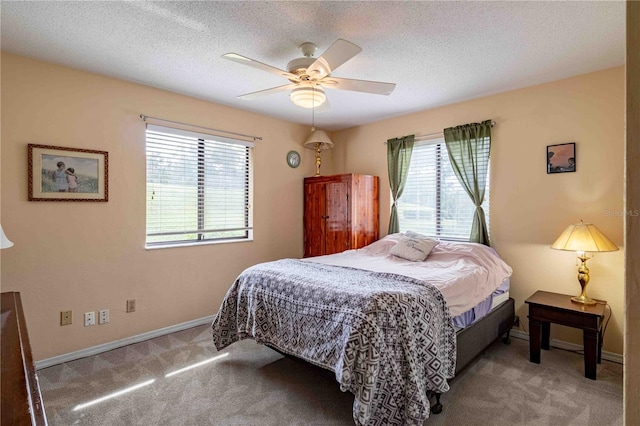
(394, 331)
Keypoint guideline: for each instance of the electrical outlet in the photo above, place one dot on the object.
(131, 305)
(103, 316)
(65, 318)
(89, 319)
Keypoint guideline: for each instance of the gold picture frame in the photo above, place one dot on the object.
(59, 173)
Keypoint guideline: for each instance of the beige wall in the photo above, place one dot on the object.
(529, 209)
(632, 225)
(91, 256)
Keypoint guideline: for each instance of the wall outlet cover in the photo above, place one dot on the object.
(103, 316)
(89, 319)
(65, 318)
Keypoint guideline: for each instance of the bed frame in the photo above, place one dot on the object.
(473, 340)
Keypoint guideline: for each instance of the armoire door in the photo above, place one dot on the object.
(314, 219)
(337, 227)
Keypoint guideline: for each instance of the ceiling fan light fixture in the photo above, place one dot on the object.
(308, 97)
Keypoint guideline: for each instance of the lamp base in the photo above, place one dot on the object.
(583, 279)
(583, 300)
(318, 159)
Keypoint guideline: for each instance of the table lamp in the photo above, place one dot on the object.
(318, 141)
(582, 238)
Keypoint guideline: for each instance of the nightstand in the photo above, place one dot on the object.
(546, 308)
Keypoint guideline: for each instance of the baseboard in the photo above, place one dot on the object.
(94, 350)
(560, 344)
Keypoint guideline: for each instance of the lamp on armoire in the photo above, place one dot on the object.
(582, 238)
(318, 141)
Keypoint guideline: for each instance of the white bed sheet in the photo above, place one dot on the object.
(465, 273)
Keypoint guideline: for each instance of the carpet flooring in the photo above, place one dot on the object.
(181, 379)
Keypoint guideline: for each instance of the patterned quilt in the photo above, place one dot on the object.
(388, 338)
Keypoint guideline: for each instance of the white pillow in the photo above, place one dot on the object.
(413, 248)
(416, 235)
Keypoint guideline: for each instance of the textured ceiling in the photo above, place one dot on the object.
(437, 53)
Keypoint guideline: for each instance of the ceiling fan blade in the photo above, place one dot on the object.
(337, 54)
(375, 87)
(261, 93)
(259, 65)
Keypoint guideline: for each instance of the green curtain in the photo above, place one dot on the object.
(468, 147)
(398, 160)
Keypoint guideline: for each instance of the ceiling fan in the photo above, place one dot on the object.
(309, 76)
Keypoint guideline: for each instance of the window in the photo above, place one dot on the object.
(199, 187)
(433, 201)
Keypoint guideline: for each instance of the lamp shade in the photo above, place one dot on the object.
(583, 237)
(4, 241)
(318, 139)
(308, 97)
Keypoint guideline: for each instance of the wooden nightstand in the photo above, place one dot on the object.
(546, 308)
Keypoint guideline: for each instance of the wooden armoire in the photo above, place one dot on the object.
(340, 213)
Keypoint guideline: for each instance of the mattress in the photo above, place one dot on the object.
(497, 298)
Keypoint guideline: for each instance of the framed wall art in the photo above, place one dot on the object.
(67, 174)
(561, 158)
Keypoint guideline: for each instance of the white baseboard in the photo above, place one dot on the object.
(94, 350)
(560, 344)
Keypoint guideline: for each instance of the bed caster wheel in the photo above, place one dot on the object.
(506, 340)
(437, 407)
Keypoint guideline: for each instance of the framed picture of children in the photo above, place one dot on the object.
(561, 158)
(67, 174)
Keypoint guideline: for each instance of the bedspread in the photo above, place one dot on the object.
(388, 338)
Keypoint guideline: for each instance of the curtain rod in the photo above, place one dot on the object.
(432, 135)
(144, 118)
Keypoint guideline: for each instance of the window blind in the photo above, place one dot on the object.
(433, 201)
(199, 187)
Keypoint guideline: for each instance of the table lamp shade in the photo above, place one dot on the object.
(583, 237)
(319, 137)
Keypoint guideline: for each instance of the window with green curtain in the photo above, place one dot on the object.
(434, 202)
(199, 187)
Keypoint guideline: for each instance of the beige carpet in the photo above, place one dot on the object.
(248, 384)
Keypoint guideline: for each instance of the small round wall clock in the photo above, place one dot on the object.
(293, 159)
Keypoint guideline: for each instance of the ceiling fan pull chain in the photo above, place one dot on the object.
(313, 109)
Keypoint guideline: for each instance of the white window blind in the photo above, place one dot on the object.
(433, 201)
(199, 187)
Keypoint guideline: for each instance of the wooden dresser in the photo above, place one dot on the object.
(21, 399)
(340, 213)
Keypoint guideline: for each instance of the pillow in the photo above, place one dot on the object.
(414, 248)
(416, 235)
